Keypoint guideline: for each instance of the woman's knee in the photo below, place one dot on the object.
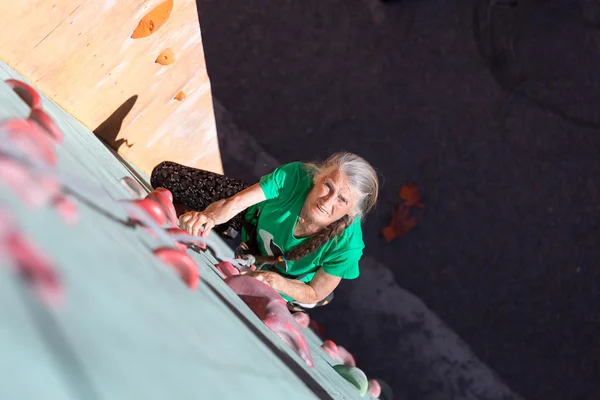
(160, 174)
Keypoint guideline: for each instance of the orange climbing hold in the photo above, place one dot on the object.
(400, 223)
(166, 57)
(152, 21)
(411, 194)
(180, 96)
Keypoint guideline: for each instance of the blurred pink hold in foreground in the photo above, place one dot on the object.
(302, 319)
(374, 388)
(268, 305)
(338, 353)
(38, 116)
(34, 140)
(67, 209)
(227, 269)
(30, 263)
(34, 190)
(30, 140)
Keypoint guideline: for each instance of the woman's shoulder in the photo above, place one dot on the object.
(285, 180)
(298, 167)
(350, 239)
(296, 172)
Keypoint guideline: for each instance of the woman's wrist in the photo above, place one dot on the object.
(226, 210)
(218, 212)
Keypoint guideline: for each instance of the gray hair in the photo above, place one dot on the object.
(361, 176)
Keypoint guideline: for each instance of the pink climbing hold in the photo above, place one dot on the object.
(346, 357)
(182, 244)
(47, 124)
(330, 345)
(302, 319)
(32, 98)
(331, 351)
(28, 94)
(271, 309)
(166, 192)
(67, 209)
(165, 199)
(227, 269)
(50, 190)
(28, 138)
(34, 191)
(18, 178)
(152, 208)
(374, 388)
(47, 183)
(182, 263)
(338, 353)
(30, 263)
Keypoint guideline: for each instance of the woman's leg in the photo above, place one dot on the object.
(195, 189)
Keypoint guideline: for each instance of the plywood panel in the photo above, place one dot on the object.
(81, 55)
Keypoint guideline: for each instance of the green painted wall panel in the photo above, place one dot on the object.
(131, 328)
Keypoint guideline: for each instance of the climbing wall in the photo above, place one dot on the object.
(131, 71)
(99, 301)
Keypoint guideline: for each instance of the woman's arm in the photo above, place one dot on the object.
(219, 212)
(321, 285)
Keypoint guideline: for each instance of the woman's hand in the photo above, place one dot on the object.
(196, 223)
(200, 223)
(269, 278)
(321, 285)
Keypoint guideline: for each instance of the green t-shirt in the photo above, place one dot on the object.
(286, 189)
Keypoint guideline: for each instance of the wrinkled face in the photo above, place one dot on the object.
(330, 199)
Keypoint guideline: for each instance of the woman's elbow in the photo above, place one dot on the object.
(321, 295)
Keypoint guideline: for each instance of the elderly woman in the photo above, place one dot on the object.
(304, 219)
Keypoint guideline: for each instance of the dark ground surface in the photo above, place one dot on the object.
(494, 112)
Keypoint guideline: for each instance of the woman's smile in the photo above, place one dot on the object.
(322, 210)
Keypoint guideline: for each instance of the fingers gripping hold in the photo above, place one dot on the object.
(196, 223)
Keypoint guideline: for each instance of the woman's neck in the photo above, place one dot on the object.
(305, 226)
